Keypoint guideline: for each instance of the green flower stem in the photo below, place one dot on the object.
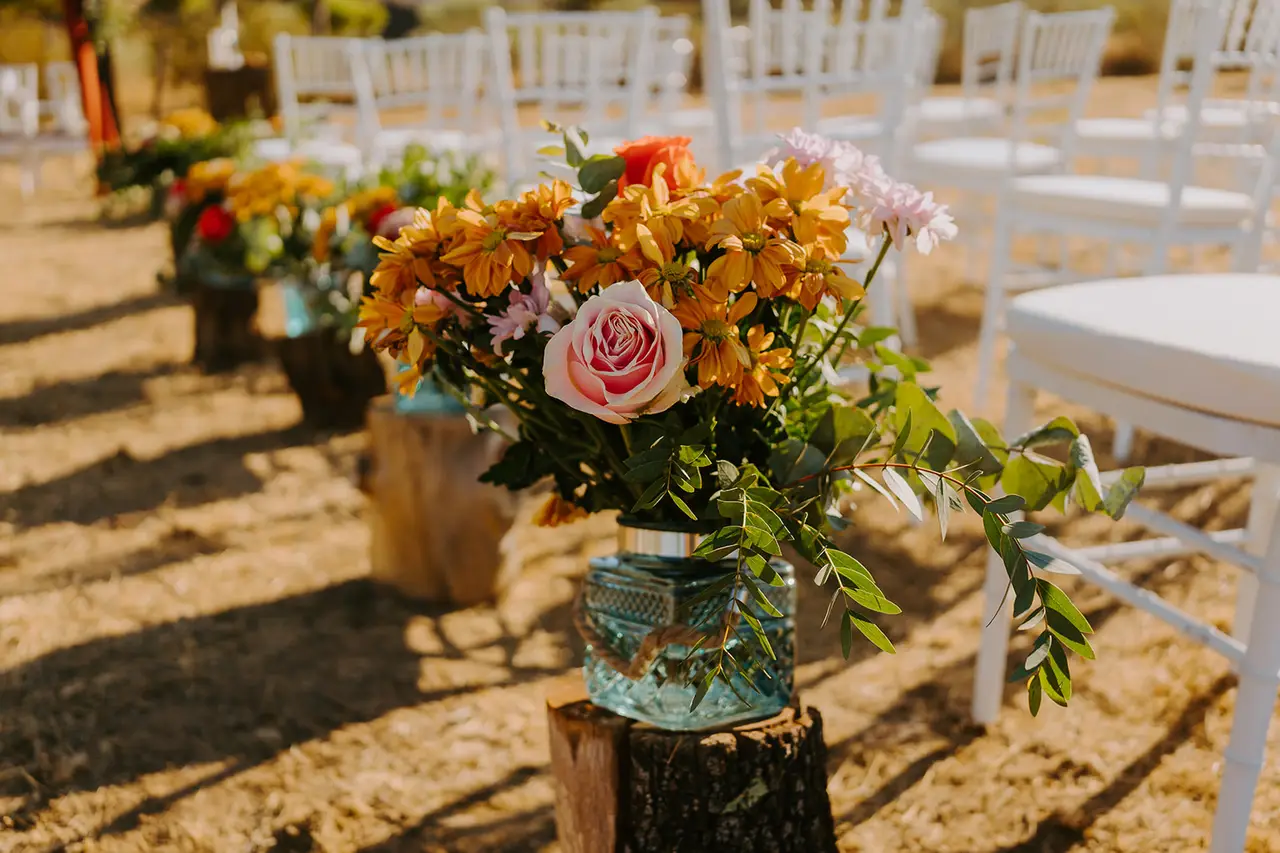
(848, 315)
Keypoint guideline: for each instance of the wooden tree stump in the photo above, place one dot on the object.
(436, 531)
(333, 385)
(626, 787)
(225, 336)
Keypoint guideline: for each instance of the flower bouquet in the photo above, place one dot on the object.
(687, 377)
(157, 164)
(247, 224)
(344, 255)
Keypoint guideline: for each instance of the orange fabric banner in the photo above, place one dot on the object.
(104, 132)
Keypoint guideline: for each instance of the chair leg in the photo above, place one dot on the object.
(1263, 506)
(992, 311)
(1255, 704)
(989, 677)
(1122, 445)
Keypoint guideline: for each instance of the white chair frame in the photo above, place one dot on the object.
(439, 76)
(778, 53)
(312, 67)
(891, 59)
(20, 121)
(1248, 42)
(1254, 646)
(1063, 48)
(1016, 215)
(986, 74)
(589, 68)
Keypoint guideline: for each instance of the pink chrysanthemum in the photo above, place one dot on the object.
(904, 212)
(524, 311)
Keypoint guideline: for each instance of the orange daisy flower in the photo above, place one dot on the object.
(752, 253)
(712, 340)
(491, 256)
(768, 369)
(599, 263)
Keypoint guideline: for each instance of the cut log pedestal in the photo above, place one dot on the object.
(225, 337)
(333, 384)
(627, 787)
(436, 532)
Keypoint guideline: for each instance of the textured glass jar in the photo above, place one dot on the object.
(428, 399)
(648, 584)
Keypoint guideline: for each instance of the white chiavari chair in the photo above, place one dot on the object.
(425, 90)
(592, 69)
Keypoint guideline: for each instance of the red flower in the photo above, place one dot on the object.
(215, 224)
(642, 155)
(374, 221)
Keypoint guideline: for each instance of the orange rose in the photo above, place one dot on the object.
(643, 155)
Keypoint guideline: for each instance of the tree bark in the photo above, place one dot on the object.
(333, 385)
(436, 532)
(755, 788)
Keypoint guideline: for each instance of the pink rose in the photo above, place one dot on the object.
(620, 358)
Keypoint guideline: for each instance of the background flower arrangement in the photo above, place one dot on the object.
(343, 253)
(248, 224)
(688, 378)
(151, 172)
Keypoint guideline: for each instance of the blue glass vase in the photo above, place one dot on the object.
(650, 584)
(299, 318)
(428, 399)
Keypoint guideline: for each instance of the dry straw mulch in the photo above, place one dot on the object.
(191, 660)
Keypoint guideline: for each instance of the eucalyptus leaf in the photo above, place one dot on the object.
(873, 483)
(843, 433)
(928, 425)
(1088, 491)
(1057, 431)
(872, 632)
(903, 491)
(1123, 491)
(970, 446)
(1034, 478)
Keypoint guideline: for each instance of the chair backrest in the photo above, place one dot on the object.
(19, 99)
(932, 29)
(1059, 56)
(989, 49)
(586, 68)
(435, 81)
(756, 73)
(672, 62)
(62, 101)
(1251, 31)
(1202, 24)
(310, 67)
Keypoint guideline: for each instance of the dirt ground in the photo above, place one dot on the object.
(192, 659)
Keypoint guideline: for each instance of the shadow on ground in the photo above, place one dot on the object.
(194, 474)
(25, 331)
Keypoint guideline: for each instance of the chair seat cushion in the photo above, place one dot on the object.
(1128, 200)
(1204, 342)
(1214, 114)
(986, 154)
(944, 111)
(1117, 129)
(850, 128)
